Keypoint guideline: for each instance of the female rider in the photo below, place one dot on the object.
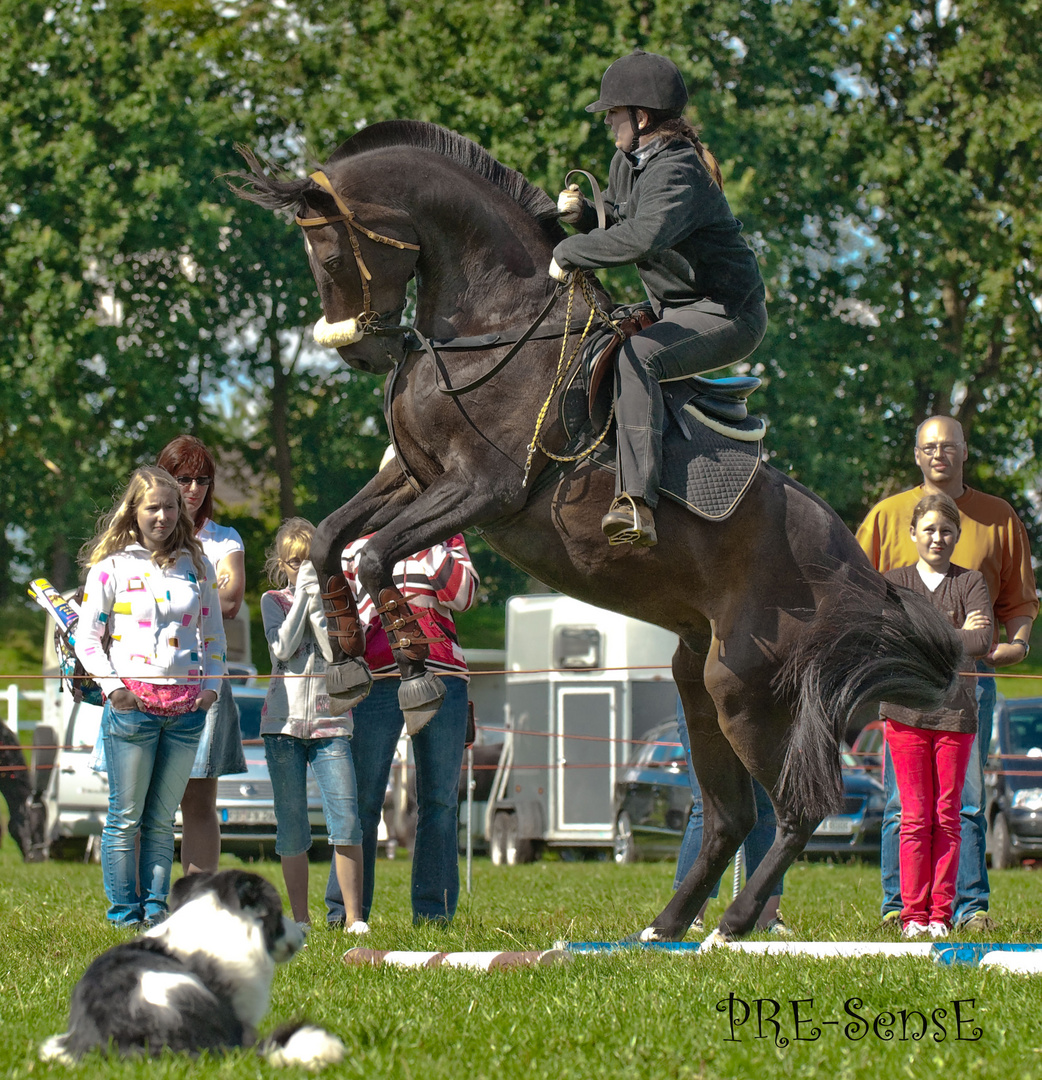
(666, 212)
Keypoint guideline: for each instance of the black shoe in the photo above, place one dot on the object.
(629, 521)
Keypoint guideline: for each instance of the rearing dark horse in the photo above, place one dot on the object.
(784, 628)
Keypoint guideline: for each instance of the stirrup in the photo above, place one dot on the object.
(625, 524)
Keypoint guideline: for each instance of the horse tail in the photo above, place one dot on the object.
(856, 652)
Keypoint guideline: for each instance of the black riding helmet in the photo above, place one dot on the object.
(642, 80)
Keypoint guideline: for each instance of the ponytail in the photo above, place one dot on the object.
(712, 166)
(676, 127)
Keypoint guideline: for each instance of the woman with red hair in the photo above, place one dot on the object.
(189, 461)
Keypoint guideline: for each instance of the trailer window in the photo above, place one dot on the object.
(577, 647)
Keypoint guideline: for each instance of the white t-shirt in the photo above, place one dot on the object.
(219, 541)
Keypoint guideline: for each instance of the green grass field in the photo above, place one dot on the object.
(635, 1015)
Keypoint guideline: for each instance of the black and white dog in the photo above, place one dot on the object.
(201, 980)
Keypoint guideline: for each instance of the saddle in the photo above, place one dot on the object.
(711, 446)
(722, 399)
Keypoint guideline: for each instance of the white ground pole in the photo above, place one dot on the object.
(475, 961)
(824, 949)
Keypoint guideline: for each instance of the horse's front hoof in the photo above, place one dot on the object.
(347, 683)
(419, 699)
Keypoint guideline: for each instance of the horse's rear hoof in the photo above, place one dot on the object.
(654, 933)
(715, 940)
(347, 683)
(419, 699)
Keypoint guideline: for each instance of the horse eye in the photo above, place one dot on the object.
(334, 263)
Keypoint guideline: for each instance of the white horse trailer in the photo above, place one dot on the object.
(582, 683)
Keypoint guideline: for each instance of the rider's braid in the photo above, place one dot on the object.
(676, 127)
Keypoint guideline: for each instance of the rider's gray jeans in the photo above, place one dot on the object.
(688, 340)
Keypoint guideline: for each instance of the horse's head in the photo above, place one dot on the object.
(487, 236)
(361, 255)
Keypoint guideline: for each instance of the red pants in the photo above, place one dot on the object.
(929, 767)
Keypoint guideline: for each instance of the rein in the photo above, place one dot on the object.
(486, 341)
(369, 318)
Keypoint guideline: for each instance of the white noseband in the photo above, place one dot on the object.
(334, 335)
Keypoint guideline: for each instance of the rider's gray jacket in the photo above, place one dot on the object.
(665, 214)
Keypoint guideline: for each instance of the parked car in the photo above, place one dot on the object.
(1013, 783)
(76, 797)
(867, 750)
(653, 802)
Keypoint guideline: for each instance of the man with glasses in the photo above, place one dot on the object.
(995, 542)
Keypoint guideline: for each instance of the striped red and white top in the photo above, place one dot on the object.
(436, 582)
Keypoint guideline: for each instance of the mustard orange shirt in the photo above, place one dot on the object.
(993, 541)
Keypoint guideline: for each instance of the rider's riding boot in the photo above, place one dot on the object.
(630, 521)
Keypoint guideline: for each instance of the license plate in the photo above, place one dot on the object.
(248, 817)
(838, 825)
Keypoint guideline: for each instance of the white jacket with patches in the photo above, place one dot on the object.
(165, 623)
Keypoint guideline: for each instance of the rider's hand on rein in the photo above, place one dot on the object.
(570, 204)
(558, 273)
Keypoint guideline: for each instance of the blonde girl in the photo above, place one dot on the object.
(299, 729)
(151, 634)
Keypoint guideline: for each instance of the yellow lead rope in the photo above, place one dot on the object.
(562, 368)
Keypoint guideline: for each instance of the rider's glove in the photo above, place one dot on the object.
(558, 273)
(570, 204)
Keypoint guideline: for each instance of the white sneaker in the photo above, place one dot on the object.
(914, 930)
(938, 930)
(357, 927)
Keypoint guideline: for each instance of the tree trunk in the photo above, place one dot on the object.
(280, 390)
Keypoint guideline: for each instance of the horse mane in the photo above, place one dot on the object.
(420, 135)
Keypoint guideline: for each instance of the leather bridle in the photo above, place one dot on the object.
(369, 320)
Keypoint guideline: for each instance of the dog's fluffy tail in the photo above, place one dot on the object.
(54, 1050)
(304, 1045)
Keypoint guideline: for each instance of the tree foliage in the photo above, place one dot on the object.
(883, 157)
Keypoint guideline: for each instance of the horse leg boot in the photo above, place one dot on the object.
(421, 692)
(348, 681)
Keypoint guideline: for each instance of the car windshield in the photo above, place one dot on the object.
(1025, 732)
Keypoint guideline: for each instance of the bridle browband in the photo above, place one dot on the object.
(369, 318)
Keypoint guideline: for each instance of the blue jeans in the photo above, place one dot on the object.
(149, 759)
(438, 752)
(972, 889)
(331, 763)
(756, 844)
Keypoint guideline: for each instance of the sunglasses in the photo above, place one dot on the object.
(188, 481)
